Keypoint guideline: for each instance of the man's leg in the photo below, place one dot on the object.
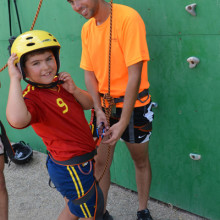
(139, 154)
(3, 192)
(100, 163)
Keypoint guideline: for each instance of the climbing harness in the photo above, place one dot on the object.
(141, 95)
(19, 153)
(32, 26)
(77, 160)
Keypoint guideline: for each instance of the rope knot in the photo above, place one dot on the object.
(108, 99)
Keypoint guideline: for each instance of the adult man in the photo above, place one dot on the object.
(132, 118)
(3, 190)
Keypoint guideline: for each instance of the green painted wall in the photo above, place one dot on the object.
(187, 117)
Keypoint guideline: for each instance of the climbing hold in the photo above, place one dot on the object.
(195, 156)
(154, 104)
(193, 61)
(191, 9)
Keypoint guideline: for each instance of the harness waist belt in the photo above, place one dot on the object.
(77, 159)
(142, 94)
(8, 150)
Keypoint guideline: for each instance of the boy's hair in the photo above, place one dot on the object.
(35, 52)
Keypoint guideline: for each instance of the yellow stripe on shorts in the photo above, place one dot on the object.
(78, 180)
(80, 192)
(74, 181)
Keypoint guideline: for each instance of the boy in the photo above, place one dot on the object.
(53, 105)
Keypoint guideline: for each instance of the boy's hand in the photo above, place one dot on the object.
(68, 83)
(13, 70)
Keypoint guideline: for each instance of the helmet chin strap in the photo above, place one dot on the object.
(39, 85)
(44, 86)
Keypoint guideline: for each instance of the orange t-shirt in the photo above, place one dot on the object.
(129, 46)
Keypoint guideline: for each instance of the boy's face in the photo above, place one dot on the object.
(86, 8)
(41, 68)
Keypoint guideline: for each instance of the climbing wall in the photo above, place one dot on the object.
(187, 117)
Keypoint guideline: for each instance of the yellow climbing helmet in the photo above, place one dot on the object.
(31, 41)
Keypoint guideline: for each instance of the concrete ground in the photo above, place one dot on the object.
(30, 197)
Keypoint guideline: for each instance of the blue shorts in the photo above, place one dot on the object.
(73, 182)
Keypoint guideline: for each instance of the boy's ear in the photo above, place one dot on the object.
(19, 67)
(25, 72)
(26, 75)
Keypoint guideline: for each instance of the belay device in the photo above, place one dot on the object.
(19, 153)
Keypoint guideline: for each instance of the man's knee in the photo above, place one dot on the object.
(141, 160)
(141, 164)
(101, 165)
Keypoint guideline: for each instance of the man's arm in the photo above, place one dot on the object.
(134, 79)
(92, 87)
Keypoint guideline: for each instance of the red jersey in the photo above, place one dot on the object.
(59, 120)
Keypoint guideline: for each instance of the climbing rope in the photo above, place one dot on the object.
(32, 26)
(36, 16)
(4, 67)
(107, 97)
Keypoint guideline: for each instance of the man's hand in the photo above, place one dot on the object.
(114, 133)
(101, 122)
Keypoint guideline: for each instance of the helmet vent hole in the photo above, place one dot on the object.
(50, 34)
(55, 40)
(28, 38)
(30, 44)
